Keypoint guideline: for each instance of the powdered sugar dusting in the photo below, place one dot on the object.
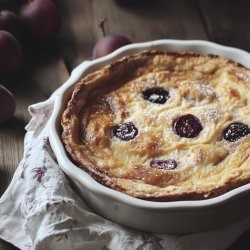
(150, 115)
(151, 80)
(204, 89)
(204, 157)
(171, 115)
(212, 114)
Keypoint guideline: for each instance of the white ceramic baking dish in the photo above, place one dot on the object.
(161, 217)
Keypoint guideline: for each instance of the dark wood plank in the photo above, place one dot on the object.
(156, 20)
(6, 246)
(76, 36)
(227, 22)
(161, 19)
(243, 243)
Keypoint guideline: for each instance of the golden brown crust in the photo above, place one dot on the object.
(211, 88)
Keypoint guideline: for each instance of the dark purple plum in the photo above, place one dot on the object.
(10, 22)
(169, 164)
(109, 44)
(188, 126)
(7, 104)
(11, 54)
(42, 18)
(156, 95)
(235, 131)
(125, 131)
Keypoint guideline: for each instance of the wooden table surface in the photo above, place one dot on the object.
(226, 22)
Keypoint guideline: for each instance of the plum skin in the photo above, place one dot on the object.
(109, 44)
(10, 22)
(42, 18)
(11, 54)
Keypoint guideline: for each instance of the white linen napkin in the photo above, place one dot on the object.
(39, 210)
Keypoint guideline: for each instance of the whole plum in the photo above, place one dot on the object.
(109, 44)
(42, 18)
(11, 54)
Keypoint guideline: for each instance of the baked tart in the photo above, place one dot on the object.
(162, 126)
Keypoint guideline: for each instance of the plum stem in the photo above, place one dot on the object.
(101, 25)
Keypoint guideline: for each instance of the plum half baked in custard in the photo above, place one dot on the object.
(162, 126)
